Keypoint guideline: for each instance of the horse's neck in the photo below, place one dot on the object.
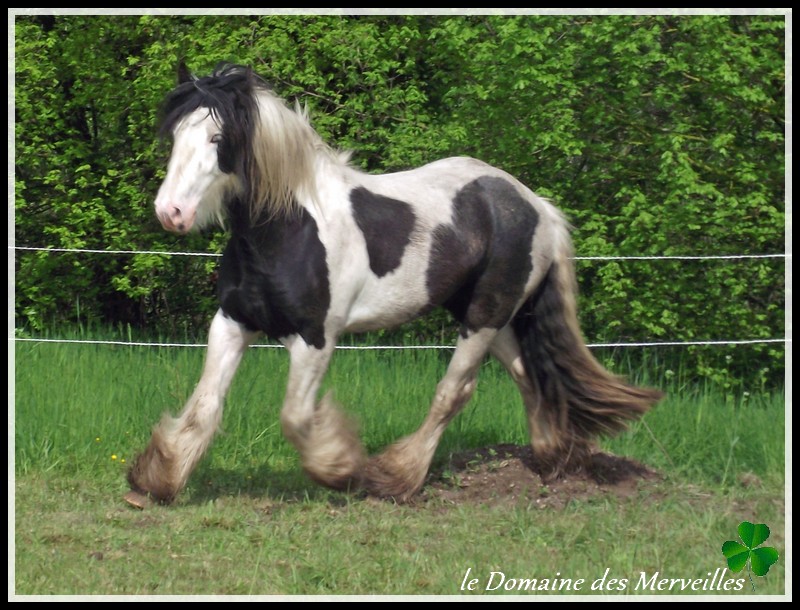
(264, 226)
(319, 198)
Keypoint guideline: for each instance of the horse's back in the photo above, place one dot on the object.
(456, 232)
(441, 180)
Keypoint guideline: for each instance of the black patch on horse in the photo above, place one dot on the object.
(480, 263)
(274, 276)
(386, 224)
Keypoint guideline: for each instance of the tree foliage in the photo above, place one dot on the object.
(657, 135)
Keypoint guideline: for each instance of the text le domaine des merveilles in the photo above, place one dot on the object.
(497, 581)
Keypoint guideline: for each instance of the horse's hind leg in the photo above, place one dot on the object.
(400, 471)
(177, 444)
(548, 432)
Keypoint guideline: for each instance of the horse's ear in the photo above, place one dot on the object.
(184, 76)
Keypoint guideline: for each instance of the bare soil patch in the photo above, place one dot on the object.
(509, 474)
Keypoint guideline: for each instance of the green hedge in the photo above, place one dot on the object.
(657, 135)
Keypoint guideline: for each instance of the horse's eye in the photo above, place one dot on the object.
(216, 138)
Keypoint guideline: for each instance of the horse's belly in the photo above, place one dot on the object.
(384, 303)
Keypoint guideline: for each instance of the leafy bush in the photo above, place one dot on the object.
(658, 135)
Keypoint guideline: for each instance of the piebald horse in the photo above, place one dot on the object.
(318, 249)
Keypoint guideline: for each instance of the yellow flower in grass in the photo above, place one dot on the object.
(114, 457)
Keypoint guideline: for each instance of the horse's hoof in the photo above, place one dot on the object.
(382, 478)
(137, 500)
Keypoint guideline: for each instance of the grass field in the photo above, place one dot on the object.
(250, 523)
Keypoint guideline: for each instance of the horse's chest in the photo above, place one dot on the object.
(275, 279)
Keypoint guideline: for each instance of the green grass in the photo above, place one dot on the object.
(251, 523)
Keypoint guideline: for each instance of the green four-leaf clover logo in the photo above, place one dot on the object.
(758, 559)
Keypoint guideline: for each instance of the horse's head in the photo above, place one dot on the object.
(210, 121)
(233, 138)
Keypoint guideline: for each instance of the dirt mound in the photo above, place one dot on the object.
(509, 474)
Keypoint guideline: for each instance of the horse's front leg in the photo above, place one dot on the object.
(330, 450)
(177, 444)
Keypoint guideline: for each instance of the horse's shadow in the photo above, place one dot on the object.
(261, 482)
(290, 484)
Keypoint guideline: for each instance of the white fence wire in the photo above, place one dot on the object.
(728, 257)
(391, 347)
(577, 258)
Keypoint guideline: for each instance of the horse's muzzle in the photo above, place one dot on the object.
(173, 220)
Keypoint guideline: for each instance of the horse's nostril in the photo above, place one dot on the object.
(175, 213)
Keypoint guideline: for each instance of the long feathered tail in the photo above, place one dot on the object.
(574, 397)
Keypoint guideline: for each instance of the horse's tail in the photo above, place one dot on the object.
(574, 398)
